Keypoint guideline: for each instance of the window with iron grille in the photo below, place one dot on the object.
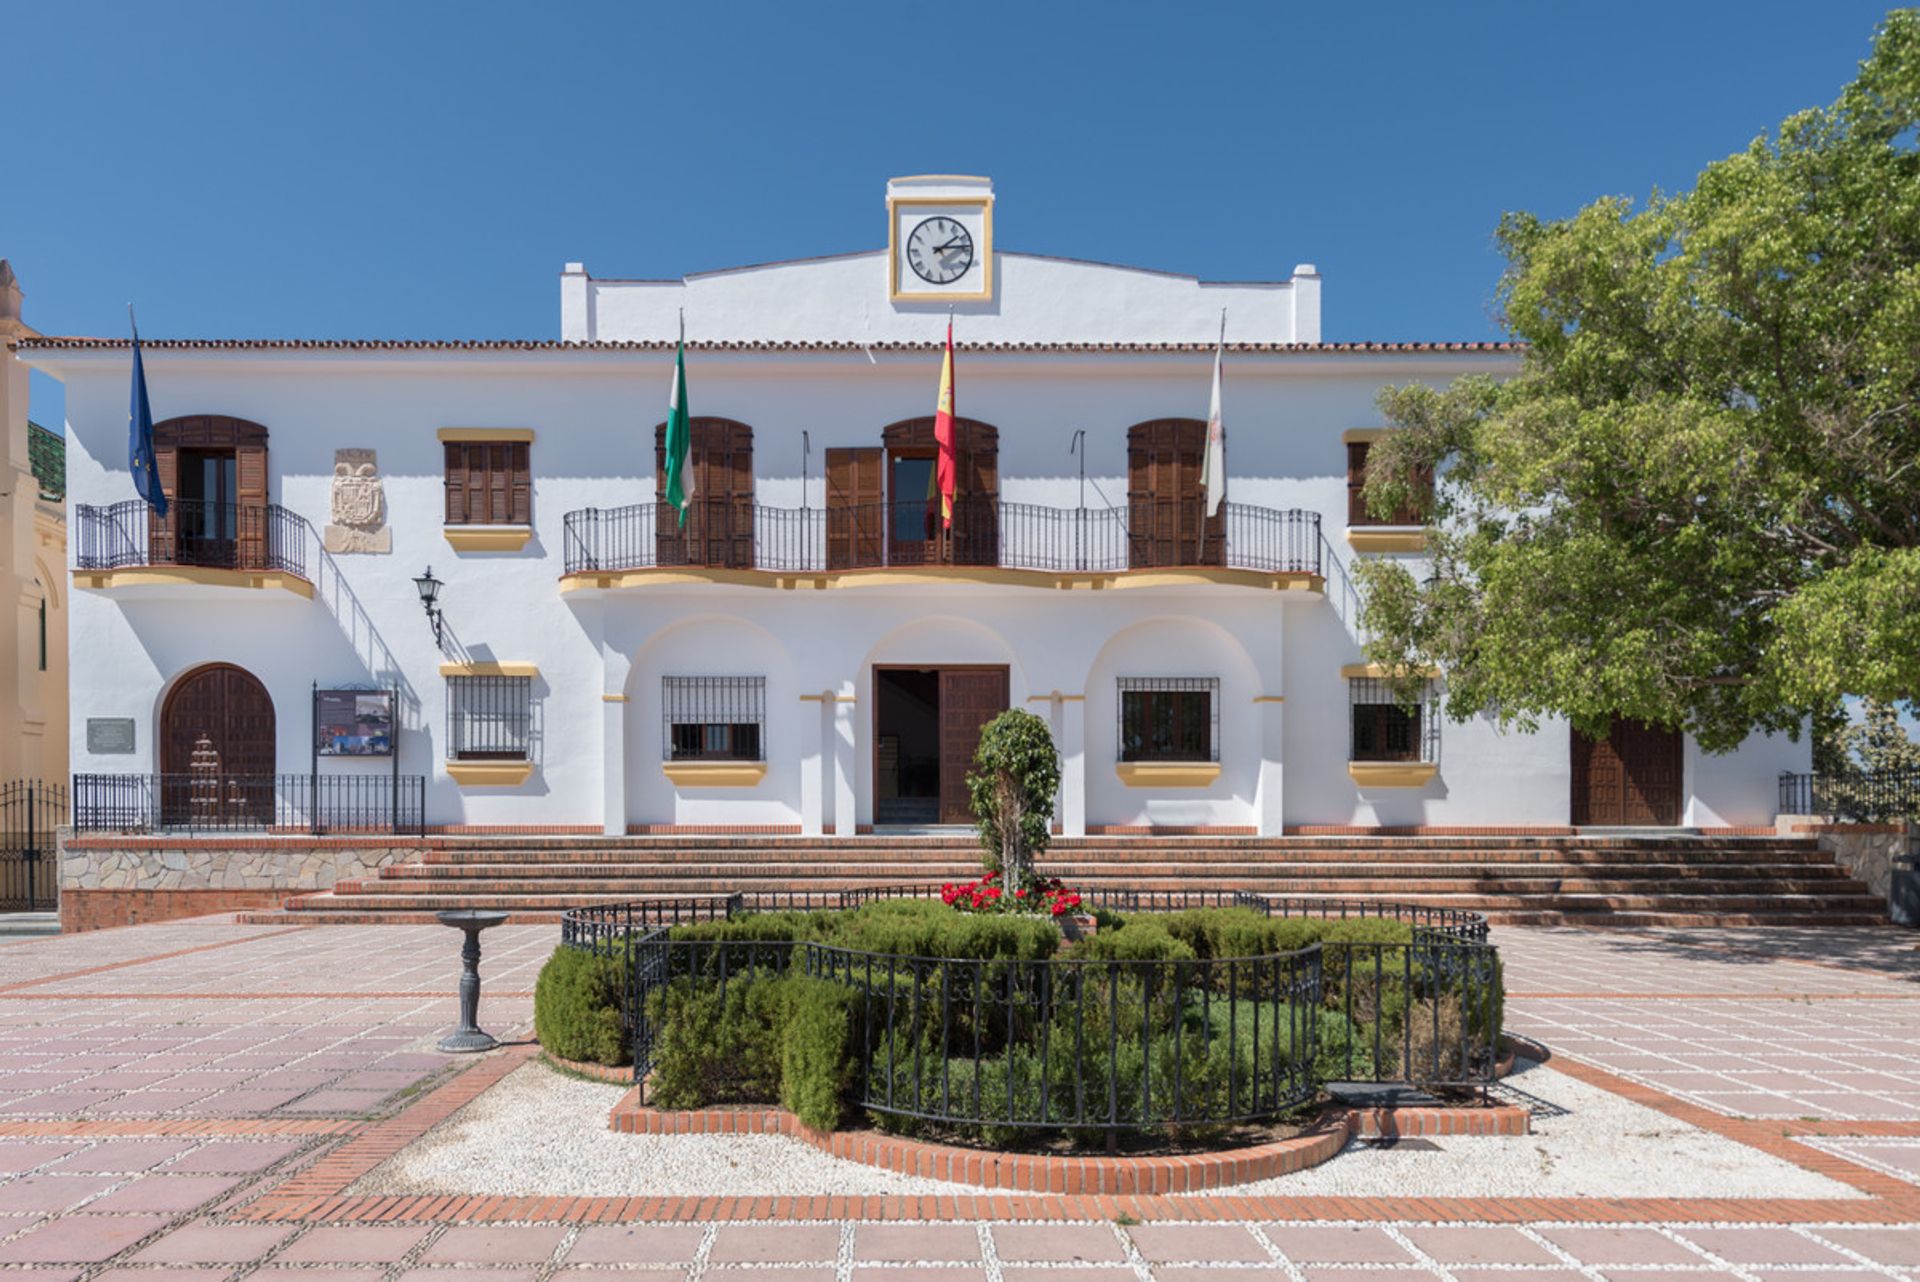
(713, 718)
(1169, 718)
(489, 718)
(1385, 729)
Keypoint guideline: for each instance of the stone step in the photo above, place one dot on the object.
(320, 916)
(1145, 853)
(874, 870)
(1370, 887)
(1748, 903)
(700, 842)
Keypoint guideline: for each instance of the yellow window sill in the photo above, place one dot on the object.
(490, 668)
(489, 774)
(1167, 774)
(488, 538)
(1394, 540)
(714, 774)
(1392, 774)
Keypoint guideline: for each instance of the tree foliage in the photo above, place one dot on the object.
(1015, 774)
(1698, 502)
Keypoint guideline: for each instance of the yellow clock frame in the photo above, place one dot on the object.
(984, 204)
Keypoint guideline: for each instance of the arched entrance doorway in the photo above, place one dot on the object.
(217, 749)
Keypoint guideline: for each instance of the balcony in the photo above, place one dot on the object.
(128, 549)
(738, 539)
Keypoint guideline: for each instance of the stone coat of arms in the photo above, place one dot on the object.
(359, 505)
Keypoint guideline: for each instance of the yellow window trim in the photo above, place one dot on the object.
(490, 668)
(488, 538)
(1392, 540)
(1167, 774)
(489, 774)
(714, 774)
(1379, 672)
(613, 698)
(1392, 774)
(455, 435)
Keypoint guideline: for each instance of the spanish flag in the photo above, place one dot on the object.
(946, 463)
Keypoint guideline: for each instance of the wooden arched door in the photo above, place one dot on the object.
(1167, 522)
(213, 469)
(718, 530)
(217, 749)
(915, 534)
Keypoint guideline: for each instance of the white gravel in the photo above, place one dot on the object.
(1586, 1142)
(539, 1132)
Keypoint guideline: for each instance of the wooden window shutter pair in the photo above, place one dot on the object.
(1167, 521)
(718, 529)
(489, 483)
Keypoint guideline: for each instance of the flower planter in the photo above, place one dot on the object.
(1077, 926)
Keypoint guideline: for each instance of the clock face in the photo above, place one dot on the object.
(940, 250)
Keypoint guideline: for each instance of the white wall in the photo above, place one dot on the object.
(594, 411)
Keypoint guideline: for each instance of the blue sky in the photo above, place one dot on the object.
(423, 170)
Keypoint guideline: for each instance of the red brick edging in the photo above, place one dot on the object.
(1042, 1173)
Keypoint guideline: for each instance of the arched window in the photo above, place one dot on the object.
(718, 530)
(214, 471)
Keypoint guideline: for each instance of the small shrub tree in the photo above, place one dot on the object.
(1014, 777)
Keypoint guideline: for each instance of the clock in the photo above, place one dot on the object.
(939, 240)
(940, 250)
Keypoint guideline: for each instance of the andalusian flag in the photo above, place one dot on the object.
(1213, 464)
(679, 445)
(946, 463)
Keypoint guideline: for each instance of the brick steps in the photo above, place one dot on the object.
(1574, 879)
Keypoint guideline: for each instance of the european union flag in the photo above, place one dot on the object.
(146, 471)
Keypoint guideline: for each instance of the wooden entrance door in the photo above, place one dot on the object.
(1167, 521)
(1630, 778)
(217, 749)
(969, 698)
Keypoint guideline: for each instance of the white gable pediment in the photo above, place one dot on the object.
(844, 299)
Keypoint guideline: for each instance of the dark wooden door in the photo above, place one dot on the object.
(217, 749)
(969, 698)
(172, 538)
(718, 529)
(1630, 778)
(1167, 522)
(856, 518)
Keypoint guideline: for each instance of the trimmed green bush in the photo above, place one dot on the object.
(577, 1008)
(817, 1064)
(1141, 939)
(903, 927)
(1015, 774)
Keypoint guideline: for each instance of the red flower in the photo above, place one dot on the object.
(1019, 894)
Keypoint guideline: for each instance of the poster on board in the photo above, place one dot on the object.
(353, 723)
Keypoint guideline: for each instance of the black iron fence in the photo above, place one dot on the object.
(211, 802)
(227, 536)
(1877, 796)
(32, 812)
(985, 532)
(1004, 1046)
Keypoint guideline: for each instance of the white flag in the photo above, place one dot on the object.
(1213, 465)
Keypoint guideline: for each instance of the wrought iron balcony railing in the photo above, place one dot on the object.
(226, 536)
(738, 534)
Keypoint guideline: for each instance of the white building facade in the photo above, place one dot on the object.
(808, 653)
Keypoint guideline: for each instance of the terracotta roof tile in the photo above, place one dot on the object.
(54, 343)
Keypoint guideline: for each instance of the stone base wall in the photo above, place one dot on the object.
(118, 881)
(1866, 851)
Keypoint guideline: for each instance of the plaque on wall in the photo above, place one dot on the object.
(353, 723)
(109, 734)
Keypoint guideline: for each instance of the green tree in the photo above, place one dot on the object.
(1015, 774)
(1698, 502)
(1877, 743)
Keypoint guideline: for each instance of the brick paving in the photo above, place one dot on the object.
(188, 1102)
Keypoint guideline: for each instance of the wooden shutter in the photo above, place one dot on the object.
(976, 510)
(719, 525)
(248, 441)
(250, 473)
(1167, 522)
(969, 698)
(520, 483)
(855, 519)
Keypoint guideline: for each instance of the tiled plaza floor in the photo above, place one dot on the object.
(174, 1102)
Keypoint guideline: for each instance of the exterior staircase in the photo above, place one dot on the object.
(1613, 880)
